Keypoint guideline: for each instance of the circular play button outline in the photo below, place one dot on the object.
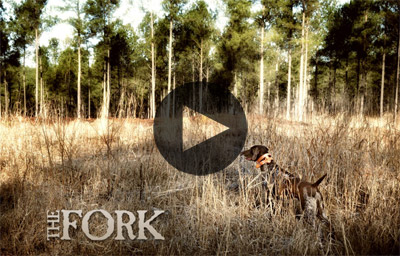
(214, 102)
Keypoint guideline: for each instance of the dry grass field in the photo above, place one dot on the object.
(115, 165)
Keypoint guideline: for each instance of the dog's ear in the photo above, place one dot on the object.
(255, 151)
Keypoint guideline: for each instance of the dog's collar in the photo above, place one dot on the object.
(262, 160)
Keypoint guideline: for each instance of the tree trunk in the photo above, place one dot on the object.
(201, 77)
(305, 80)
(153, 72)
(0, 82)
(358, 84)
(261, 93)
(79, 79)
(315, 89)
(396, 96)
(382, 82)
(1, 67)
(103, 111)
(201, 62)
(41, 87)
(89, 103)
(193, 69)
(169, 65)
(129, 107)
(37, 73)
(122, 100)
(173, 99)
(277, 85)
(268, 95)
(24, 83)
(235, 86)
(134, 103)
(347, 83)
(364, 83)
(108, 84)
(69, 102)
(289, 83)
(301, 73)
(333, 100)
(364, 70)
(194, 94)
(5, 95)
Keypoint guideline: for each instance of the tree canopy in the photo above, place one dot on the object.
(334, 57)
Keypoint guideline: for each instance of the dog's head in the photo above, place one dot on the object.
(255, 152)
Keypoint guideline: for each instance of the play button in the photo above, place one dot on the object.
(189, 136)
(200, 128)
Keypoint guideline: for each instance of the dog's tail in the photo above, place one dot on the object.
(319, 181)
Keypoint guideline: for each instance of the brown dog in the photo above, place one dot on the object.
(286, 183)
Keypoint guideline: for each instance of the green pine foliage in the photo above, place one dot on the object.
(344, 55)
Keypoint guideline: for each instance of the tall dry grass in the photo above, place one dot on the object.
(114, 165)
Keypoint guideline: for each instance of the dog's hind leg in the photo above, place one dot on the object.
(310, 210)
(324, 220)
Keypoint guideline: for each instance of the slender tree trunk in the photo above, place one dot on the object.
(134, 103)
(347, 83)
(364, 83)
(329, 98)
(129, 107)
(169, 65)
(193, 69)
(37, 73)
(315, 89)
(296, 96)
(358, 84)
(261, 93)
(268, 95)
(108, 84)
(122, 100)
(201, 62)
(41, 86)
(103, 113)
(69, 101)
(5, 95)
(235, 85)
(333, 102)
(24, 83)
(382, 83)
(89, 103)
(0, 83)
(396, 96)
(277, 85)
(364, 70)
(153, 72)
(201, 77)
(79, 79)
(89, 86)
(173, 99)
(1, 66)
(289, 83)
(194, 94)
(305, 80)
(301, 73)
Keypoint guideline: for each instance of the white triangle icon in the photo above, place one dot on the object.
(199, 128)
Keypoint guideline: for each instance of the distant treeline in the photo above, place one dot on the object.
(299, 55)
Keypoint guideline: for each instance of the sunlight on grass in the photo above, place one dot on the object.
(59, 164)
